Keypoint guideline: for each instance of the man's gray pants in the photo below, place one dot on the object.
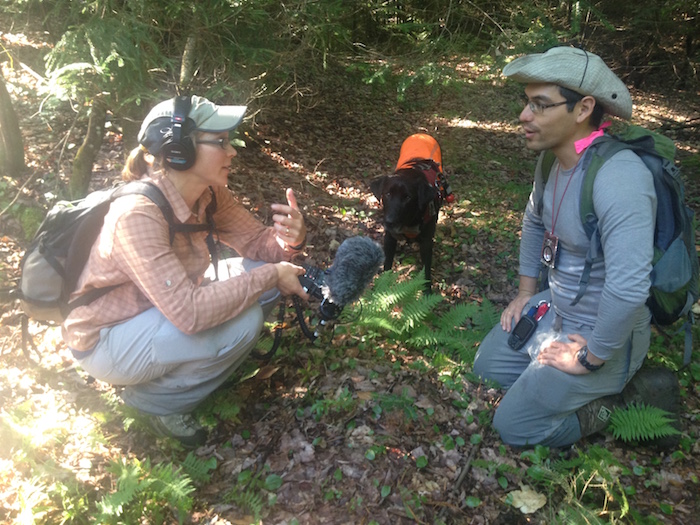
(166, 371)
(540, 404)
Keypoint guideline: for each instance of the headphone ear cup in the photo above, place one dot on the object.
(179, 155)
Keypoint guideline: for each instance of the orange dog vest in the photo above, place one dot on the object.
(419, 146)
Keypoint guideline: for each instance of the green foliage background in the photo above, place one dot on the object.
(129, 52)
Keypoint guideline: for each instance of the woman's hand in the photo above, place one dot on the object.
(288, 279)
(289, 222)
(562, 356)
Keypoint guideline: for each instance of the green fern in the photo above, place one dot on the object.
(249, 501)
(401, 312)
(641, 423)
(199, 470)
(147, 492)
(222, 405)
(128, 484)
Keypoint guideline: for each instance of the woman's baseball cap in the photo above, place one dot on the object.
(578, 70)
(203, 115)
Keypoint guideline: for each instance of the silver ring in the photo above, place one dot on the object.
(287, 231)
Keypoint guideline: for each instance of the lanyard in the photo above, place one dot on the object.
(554, 194)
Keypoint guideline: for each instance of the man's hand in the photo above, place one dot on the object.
(562, 356)
(511, 315)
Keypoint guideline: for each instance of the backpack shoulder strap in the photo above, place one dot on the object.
(600, 151)
(604, 149)
(548, 159)
(542, 169)
(150, 190)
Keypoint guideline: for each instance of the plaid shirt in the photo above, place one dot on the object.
(134, 250)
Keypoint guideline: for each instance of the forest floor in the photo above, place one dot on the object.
(349, 429)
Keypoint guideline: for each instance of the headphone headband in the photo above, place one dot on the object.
(181, 108)
(179, 150)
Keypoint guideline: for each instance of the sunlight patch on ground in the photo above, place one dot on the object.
(22, 39)
(504, 127)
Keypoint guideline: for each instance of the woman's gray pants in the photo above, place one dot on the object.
(168, 372)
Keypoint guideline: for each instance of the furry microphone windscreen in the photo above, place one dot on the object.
(356, 263)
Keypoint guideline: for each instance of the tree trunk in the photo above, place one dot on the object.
(11, 144)
(188, 56)
(87, 153)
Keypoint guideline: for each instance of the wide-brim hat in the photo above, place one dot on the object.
(578, 70)
(203, 115)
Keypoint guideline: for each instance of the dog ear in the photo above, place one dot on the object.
(376, 185)
(426, 194)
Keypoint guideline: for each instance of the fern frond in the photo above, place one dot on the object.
(247, 500)
(387, 292)
(199, 470)
(381, 324)
(415, 312)
(128, 484)
(169, 484)
(641, 423)
(427, 337)
(457, 315)
(486, 317)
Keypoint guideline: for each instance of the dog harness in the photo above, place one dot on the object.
(422, 152)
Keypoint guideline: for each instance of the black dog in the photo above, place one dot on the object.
(411, 199)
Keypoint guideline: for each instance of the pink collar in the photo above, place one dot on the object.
(582, 144)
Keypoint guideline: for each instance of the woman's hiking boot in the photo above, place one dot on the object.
(657, 387)
(182, 427)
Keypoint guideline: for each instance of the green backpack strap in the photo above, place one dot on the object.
(602, 149)
(546, 163)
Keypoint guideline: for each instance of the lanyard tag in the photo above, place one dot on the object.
(550, 249)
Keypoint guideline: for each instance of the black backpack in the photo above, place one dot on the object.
(52, 264)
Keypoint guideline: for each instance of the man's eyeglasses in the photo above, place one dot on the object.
(222, 143)
(538, 108)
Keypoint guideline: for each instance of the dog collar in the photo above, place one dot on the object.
(410, 232)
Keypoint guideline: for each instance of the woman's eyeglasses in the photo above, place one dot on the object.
(222, 143)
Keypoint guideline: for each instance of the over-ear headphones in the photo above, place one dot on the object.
(178, 149)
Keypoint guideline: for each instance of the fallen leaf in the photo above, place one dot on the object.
(527, 500)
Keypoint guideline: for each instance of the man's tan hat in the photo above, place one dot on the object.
(578, 70)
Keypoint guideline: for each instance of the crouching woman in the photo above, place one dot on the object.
(166, 332)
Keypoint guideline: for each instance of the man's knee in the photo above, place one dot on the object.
(507, 429)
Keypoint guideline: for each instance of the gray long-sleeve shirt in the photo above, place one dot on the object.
(625, 204)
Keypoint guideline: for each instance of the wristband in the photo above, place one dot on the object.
(582, 356)
(300, 245)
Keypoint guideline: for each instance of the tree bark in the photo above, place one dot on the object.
(188, 56)
(11, 144)
(87, 153)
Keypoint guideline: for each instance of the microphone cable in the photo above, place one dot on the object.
(303, 325)
(266, 356)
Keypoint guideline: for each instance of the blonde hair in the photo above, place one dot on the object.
(135, 165)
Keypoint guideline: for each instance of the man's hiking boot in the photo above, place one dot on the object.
(657, 387)
(595, 416)
(181, 427)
